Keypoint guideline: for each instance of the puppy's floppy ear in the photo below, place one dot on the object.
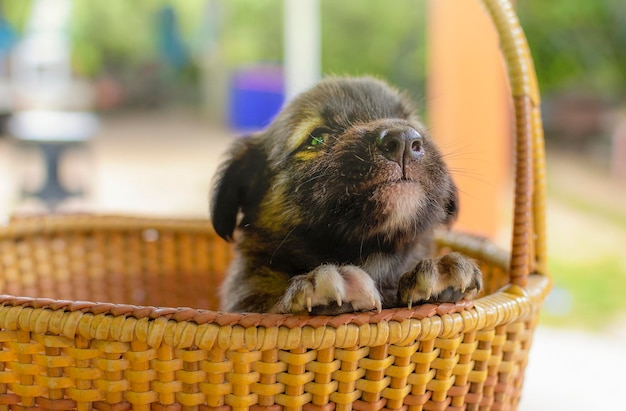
(240, 184)
(451, 205)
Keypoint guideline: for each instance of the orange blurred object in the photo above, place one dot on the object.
(469, 111)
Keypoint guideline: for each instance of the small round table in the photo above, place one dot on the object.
(52, 132)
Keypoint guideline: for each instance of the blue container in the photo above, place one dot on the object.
(256, 96)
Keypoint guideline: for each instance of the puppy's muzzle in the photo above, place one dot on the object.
(400, 144)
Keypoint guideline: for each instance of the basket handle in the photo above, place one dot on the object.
(528, 248)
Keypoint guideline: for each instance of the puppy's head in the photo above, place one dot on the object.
(347, 160)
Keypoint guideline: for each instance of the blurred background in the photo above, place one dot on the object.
(127, 107)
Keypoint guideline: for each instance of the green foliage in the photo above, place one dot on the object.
(114, 32)
(251, 31)
(595, 289)
(358, 37)
(376, 37)
(120, 32)
(577, 44)
(16, 12)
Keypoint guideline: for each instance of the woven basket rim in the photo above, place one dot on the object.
(200, 316)
(29, 224)
(186, 328)
(64, 223)
(222, 318)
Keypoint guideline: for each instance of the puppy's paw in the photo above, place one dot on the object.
(330, 290)
(444, 279)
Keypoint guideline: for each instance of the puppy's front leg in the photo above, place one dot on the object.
(330, 290)
(448, 278)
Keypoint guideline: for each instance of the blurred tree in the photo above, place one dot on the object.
(123, 32)
(16, 12)
(127, 41)
(251, 31)
(376, 37)
(358, 37)
(578, 44)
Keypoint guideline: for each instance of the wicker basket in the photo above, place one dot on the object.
(60, 350)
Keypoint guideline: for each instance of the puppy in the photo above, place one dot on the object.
(334, 205)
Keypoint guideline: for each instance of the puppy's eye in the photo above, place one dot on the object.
(318, 137)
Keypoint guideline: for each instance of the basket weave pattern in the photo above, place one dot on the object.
(71, 354)
(113, 313)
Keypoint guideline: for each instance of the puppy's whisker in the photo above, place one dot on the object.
(474, 177)
(455, 149)
(463, 170)
(281, 244)
(468, 194)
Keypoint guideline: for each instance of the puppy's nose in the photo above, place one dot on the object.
(400, 144)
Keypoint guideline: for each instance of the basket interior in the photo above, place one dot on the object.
(141, 265)
(164, 266)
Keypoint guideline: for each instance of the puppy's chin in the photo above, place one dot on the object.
(399, 203)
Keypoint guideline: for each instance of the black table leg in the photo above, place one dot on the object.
(52, 193)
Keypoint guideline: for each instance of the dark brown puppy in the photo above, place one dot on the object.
(334, 205)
